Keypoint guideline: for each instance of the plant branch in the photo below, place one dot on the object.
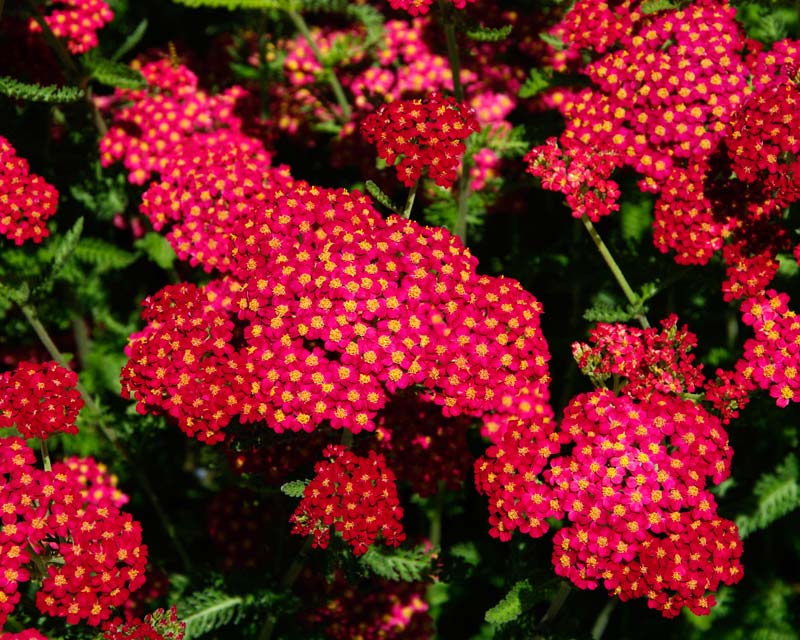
(412, 194)
(558, 601)
(601, 623)
(633, 299)
(333, 81)
(33, 319)
(45, 454)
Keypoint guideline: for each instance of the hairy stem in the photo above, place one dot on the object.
(412, 194)
(33, 319)
(558, 601)
(333, 81)
(633, 299)
(45, 454)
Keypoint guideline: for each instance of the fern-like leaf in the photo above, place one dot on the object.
(511, 606)
(131, 41)
(407, 565)
(65, 249)
(157, 248)
(295, 488)
(102, 255)
(487, 34)
(377, 193)
(208, 610)
(654, 6)
(536, 83)
(777, 494)
(113, 74)
(38, 93)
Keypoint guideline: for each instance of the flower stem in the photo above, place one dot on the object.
(33, 319)
(333, 81)
(292, 573)
(558, 601)
(633, 299)
(601, 623)
(412, 194)
(45, 454)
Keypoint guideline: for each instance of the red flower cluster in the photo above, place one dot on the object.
(509, 475)
(650, 360)
(150, 125)
(634, 491)
(99, 486)
(26, 200)
(159, 625)
(355, 495)
(40, 399)
(76, 20)
(27, 634)
(427, 135)
(93, 553)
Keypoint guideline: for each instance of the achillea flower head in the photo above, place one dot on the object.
(426, 136)
(77, 21)
(27, 201)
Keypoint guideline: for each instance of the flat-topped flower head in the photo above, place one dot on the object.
(77, 21)
(422, 137)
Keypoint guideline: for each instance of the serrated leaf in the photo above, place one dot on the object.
(375, 191)
(111, 73)
(18, 295)
(102, 255)
(488, 34)
(66, 248)
(295, 488)
(654, 6)
(157, 248)
(208, 610)
(38, 93)
(536, 83)
(131, 41)
(636, 218)
(407, 565)
(777, 494)
(511, 606)
(285, 5)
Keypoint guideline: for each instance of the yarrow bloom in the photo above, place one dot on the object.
(426, 135)
(77, 21)
(27, 634)
(27, 201)
(422, 7)
(40, 399)
(356, 496)
(99, 550)
(159, 625)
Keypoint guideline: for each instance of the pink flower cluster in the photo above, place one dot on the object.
(77, 21)
(356, 496)
(159, 625)
(426, 136)
(634, 491)
(422, 7)
(26, 199)
(40, 400)
(27, 634)
(92, 553)
(149, 125)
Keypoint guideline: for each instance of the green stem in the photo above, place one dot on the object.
(436, 521)
(558, 601)
(292, 573)
(412, 194)
(45, 454)
(333, 81)
(633, 299)
(601, 623)
(33, 319)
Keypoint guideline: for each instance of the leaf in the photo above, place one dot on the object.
(18, 295)
(536, 83)
(375, 191)
(157, 248)
(38, 93)
(65, 249)
(777, 494)
(131, 41)
(553, 41)
(103, 255)
(511, 606)
(295, 488)
(488, 34)
(242, 4)
(654, 6)
(637, 218)
(208, 610)
(407, 565)
(111, 73)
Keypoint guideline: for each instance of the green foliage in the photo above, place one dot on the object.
(487, 34)
(37, 93)
(241, 4)
(654, 6)
(636, 218)
(131, 41)
(64, 250)
(102, 255)
(379, 196)
(111, 73)
(408, 565)
(157, 248)
(537, 82)
(777, 493)
(553, 41)
(208, 610)
(511, 606)
(295, 488)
